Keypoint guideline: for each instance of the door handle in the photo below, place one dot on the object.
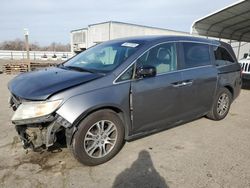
(177, 84)
(182, 84)
(187, 83)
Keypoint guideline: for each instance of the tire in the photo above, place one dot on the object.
(94, 142)
(224, 97)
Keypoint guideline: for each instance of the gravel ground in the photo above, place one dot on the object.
(202, 153)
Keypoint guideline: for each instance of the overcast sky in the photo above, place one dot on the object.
(52, 20)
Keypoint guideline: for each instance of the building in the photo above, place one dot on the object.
(84, 38)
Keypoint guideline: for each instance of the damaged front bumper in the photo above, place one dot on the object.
(41, 132)
(40, 136)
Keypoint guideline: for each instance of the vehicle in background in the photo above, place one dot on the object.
(44, 57)
(245, 65)
(121, 90)
(54, 57)
(64, 57)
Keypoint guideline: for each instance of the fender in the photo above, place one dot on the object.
(78, 107)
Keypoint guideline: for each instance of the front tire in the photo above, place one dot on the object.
(99, 137)
(221, 105)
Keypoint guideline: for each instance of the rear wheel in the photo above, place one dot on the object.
(221, 105)
(99, 138)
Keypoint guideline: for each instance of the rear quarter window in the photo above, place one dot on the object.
(222, 56)
(196, 54)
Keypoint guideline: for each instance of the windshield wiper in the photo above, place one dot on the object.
(79, 69)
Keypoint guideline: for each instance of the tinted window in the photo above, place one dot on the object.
(162, 57)
(196, 54)
(222, 57)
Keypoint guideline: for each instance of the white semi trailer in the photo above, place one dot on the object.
(82, 39)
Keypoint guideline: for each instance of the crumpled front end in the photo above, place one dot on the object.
(38, 133)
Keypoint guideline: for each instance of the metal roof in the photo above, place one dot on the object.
(231, 22)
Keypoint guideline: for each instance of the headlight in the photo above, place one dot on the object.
(29, 110)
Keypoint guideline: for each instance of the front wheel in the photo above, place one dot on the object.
(221, 105)
(99, 138)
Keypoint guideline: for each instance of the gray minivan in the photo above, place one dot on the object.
(121, 90)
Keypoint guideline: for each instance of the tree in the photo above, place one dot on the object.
(19, 45)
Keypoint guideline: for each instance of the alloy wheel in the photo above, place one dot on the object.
(100, 139)
(223, 104)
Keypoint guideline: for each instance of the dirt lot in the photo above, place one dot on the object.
(202, 153)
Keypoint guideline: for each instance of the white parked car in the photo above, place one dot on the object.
(245, 65)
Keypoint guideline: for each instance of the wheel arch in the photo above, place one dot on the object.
(72, 130)
(230, 88)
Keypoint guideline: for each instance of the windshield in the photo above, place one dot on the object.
(103, 57)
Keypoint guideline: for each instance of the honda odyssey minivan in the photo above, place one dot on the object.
(121, 90)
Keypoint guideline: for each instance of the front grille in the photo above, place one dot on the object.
(15, 102)
(245, 67)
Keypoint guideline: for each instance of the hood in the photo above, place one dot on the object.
(39, 85)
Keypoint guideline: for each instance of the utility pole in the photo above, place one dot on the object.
(26, 34)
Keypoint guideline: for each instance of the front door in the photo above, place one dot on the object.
(155, 100)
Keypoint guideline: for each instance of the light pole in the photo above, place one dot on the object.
(26, 34)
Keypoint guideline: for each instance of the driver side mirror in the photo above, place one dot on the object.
(145, 71)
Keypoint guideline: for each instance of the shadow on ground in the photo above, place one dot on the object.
(246, 84)
(141, 174)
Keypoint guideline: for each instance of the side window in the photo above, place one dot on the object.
(222, 57)
(162, 57)
(196, 54)
(127, 75)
